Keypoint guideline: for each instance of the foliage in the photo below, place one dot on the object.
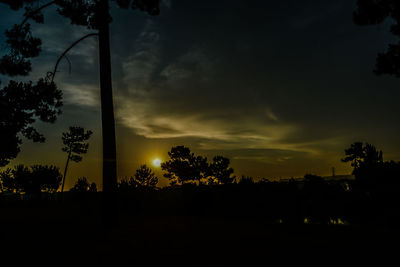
(82, 186)
(127, 185)
(145, 177)
(184, 166)
(74, 145)
(49, 177)
(246, 180)
(7, 183)
(354, 154)
(74, 142)
(219, 171)
(33, 179)
(361, 155)
(369, 168)
(79, 12)
(371, 12)
(21, 104)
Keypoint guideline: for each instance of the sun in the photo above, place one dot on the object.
(157, 162)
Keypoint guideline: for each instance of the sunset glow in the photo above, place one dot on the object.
(157, 162)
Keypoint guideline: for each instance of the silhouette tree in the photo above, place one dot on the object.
(372, 155)
(21, 104)
(7, 183)
(354, 154)
(31, 180)
(184, 166)
(361, 156)
(371, 12)
(367, 163)
(219, 171)
(48, 177)
(93, 187)
(93, 14)
(82, 186)
(74, 141)
(22, 179)
(127, 185)
(246, 180)
(145, 177)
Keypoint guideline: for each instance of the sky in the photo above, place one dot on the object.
(279, 87)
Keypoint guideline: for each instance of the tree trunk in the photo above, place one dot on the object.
(108, 122)
(65, 172)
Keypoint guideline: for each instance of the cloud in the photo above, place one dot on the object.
(142, 118)
(268, 156)
(179, 99)
(231, 75)
(82, 94)
(223, 96)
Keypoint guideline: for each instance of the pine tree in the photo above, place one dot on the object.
(93, 14)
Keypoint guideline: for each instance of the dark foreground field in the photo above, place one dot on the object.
(71, 235)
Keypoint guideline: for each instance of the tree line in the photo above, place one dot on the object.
(371, 197)
(202, 187)
(186, 168)
(36, 179)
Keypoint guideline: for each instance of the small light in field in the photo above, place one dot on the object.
(157, 162)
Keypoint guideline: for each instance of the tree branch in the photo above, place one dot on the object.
(63, 55)
(36, 11)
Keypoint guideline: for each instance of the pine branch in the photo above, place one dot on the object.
(63, 55)
(36, 11)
